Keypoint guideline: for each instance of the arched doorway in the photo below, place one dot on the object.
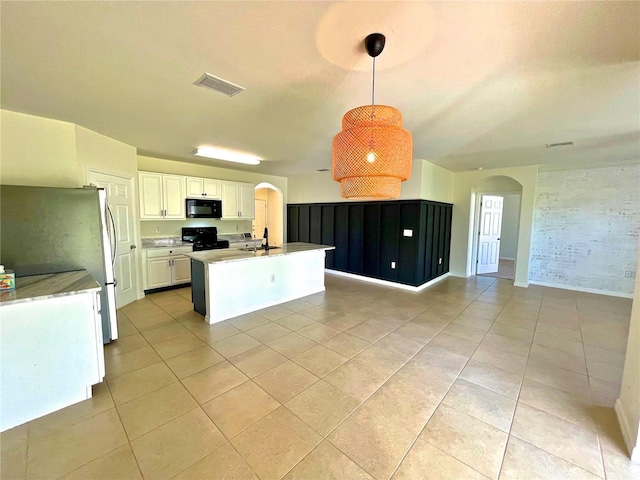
(269, 213)
(496, 202)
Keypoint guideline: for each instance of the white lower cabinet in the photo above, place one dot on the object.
(181, 269)
(166, 267)
(51, 353)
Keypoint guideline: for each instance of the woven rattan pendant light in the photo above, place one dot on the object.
(372, 154)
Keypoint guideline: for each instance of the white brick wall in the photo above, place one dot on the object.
(586, 227)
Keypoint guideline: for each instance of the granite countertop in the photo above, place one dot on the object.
(164, 242)
(40, 287)
(233, 255)
(232, 237)
(237, 240)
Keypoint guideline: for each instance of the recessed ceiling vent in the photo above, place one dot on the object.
(218, 85)
(560, 144)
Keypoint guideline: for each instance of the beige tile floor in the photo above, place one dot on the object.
(505, 270)
(468, 379)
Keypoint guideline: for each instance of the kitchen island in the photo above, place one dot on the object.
(227, 283)
(51, 350)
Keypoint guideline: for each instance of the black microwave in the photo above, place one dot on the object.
(197, 208)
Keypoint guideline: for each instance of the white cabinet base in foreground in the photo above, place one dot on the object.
(51, 354)
(236, 288)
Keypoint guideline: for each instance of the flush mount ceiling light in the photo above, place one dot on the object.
(227, 155)
(559, 144)
(372, 154)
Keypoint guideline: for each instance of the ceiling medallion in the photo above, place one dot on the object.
(372, 154)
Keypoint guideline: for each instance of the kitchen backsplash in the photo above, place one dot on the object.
(173, 228)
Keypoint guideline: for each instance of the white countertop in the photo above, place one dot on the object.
(232, 255)
(166, 242)
(39, 287)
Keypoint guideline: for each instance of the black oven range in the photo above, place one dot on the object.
(203, 238)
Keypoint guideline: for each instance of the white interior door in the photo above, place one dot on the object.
(260, 220)
(119, 195)
(489, 237)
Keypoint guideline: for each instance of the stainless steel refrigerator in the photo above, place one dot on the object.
(51, 230)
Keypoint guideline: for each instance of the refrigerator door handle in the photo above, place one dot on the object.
(112, 238)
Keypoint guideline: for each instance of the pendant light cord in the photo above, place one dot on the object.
(373, 83)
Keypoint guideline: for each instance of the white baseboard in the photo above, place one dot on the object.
(625, 428)
(521, 284)
(387, 283)
(582, 289)
(507, 258)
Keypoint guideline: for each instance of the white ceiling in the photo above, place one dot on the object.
(480, 84)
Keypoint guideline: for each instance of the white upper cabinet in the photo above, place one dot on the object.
(150, 185)
(230, 206)
(238, 201)
(161, 196)
(203, 188)
(247, 200)
(173, 196)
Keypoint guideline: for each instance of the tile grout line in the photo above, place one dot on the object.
(198, 406)
(128, 443)
(595, 420)
(316, 321)
(126, 434)
(325, 437)
(249, 379)
(558, 416)
(444, 396)
(377, 389)
(524, 373)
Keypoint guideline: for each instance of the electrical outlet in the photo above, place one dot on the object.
(393, 265)
(273, 278)
(629, 274)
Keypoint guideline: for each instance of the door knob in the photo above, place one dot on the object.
(131, 247)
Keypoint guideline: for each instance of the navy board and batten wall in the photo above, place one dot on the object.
(371, 238)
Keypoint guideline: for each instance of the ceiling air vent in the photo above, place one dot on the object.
(560, 144)
(218, 85)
